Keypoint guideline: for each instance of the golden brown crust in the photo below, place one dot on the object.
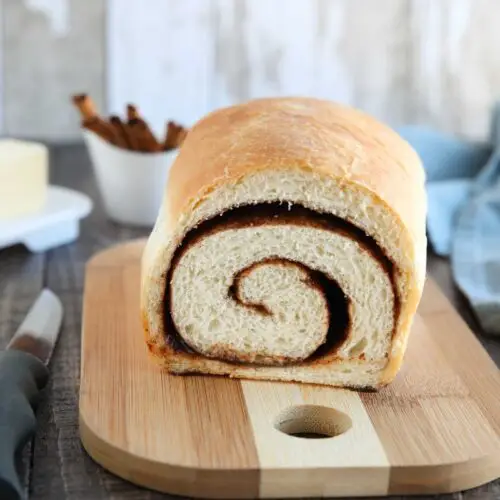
(282, 133)
(316, 134)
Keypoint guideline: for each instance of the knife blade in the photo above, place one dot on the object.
(37, 334)
(23, 375)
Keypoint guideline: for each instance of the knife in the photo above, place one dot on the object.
(23, 374)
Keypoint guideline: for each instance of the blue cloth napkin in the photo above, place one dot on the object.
(463, 222)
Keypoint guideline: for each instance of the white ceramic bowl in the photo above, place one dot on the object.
(131, 183)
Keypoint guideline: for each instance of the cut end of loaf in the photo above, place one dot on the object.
(290, 269)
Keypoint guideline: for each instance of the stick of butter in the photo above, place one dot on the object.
(23, 177)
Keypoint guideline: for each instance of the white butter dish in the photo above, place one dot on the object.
(57, 223)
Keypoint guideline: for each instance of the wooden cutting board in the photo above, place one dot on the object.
(435, 429)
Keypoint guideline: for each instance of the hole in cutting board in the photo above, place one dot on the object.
(313, 422)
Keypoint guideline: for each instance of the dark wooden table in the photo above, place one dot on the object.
(56, 466)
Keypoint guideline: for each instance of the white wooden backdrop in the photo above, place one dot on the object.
(186, 58)
(427, 61)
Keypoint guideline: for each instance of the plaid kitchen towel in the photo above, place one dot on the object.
(463, 222)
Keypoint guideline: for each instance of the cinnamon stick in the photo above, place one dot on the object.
(174, 136)
(132, 113)
(122, 136)
(85, 105)
(101, 128)
(91, 119)
(146, 140)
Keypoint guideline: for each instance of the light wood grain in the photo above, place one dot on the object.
(318, 467)
(197, 450)
(434, 430)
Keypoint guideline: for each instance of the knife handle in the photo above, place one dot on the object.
(22, 377)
